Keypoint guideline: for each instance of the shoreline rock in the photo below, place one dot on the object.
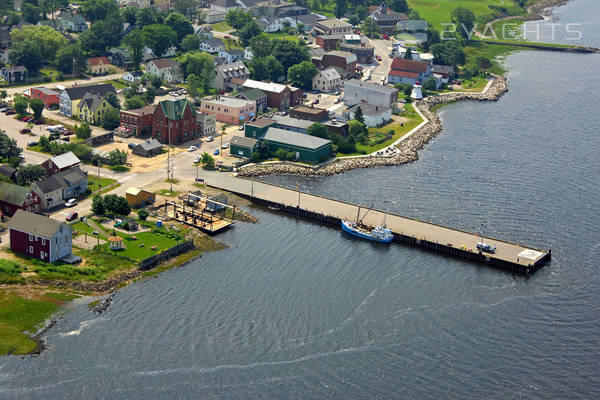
(408, 149)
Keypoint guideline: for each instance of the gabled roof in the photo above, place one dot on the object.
(92, 101)
(151, 144)
(72, 175)
(162, 63)
(18, 68)
(253, 94)
(243, 141)
(442, 69)
(65, 160)
(77, 92)
(51, 183)
(404, 64)
(13, 194)
(349, 57)
(368, 109)
(7, 171)
(330, 74)
(35, 224)
(123, 52)
(283, 136)
(405, 74)
(214, 42)
(174, 108)
(72, 17)
(96, 60)
(261, 122)
(383, 89)
(237, 68)
(388, 16)
(265, 86)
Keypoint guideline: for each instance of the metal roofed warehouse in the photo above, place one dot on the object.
(307, 148)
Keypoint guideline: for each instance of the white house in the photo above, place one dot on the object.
(231, 55)
(133, 77)
(270, 24)
(373, 115)
(327, 80)
(212, 45)
(149, 55)
(248, 53)
(166, 69)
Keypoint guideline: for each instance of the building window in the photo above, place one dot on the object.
(31, 249)
(43, 242)
(31, 238)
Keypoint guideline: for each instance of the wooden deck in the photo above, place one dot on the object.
(430, 236)
(192, 216)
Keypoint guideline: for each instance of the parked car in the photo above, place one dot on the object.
(30, 144)
(216, 152)
(131, 145)
(71, 202)
(25, 130)
(38, 122)
(315, 101)
(128, 164)
(10, 112)
(378, 57)
(2, 109)
(486, 247)
(68, 133)
(197, 159)
(210, 139)
(72, 216)
(386, 37)
(225, 146)
(192, 148)
(241, 128)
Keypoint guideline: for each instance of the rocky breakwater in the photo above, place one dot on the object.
(408, 149)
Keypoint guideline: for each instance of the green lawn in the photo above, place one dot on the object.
(10, 272)
(167, 192)
(147, 239)
(490, 51)
(19, 315)
(221, 27)
(437, 12)
(119, 84)
(281, 35)
(105, 184)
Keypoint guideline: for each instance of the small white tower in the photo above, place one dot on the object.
(416, 94)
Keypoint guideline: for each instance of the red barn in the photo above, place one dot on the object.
(39, 236)
(48, 96)
(60, 163)
(177, 119)
(13, 198)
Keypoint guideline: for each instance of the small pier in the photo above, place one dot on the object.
(196, 217)
(432, 237)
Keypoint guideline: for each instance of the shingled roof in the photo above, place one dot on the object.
(77, 92)
(35, 224)
(404, 64)
(13, 194)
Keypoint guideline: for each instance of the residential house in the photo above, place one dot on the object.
(69, 98)
(270, 24)
(175, 121)
(229, 110)
(72, 22)
(54, 190)
(40, 237)
(92, 108)
(307, 20)
(149, 148)
(226, 72)
(8, 172)
(48, 96)
(13, 198)
(166, 69)
(373, 115)
(327, 80)
(248, 53)
(446, 72)
(60, 163)
(231, 55)
(5, 38)
(133, 77)
(279, 96)
(241, 146)
(212, 45)
(120, 57)
(359, 92)
(342, 59)
(204, 32)
(408, 71)
(138, 121)
(215, 16)
(309, 113)
(331, 26)
(4, 58)
(127, 27)
(148, 54)
(14, 74)
(386, 19)
(256, 95)
(139, 197)
(207, 124)
(98, 65)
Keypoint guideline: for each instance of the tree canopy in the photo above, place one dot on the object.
(180, 24)
(302, 74)
(159, 38)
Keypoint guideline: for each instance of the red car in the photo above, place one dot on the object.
(315, 101)
(71, 216)
(378, 58)
(386, 37)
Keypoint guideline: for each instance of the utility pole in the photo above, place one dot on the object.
(73, 67)
(98, 184)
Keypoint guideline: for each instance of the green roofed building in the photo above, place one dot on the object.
(241, 146)
(175, 122)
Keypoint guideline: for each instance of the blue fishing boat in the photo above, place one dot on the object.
(378, 234)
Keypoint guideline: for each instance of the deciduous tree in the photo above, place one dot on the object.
(37, 106)
(302, 74)
(180, 24)
(28, 174)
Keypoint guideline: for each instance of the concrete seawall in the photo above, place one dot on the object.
(408, 146)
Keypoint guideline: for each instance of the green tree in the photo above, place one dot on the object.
(26, 53)
(37, 106)
(102, 35)
(358, 115)
(289, 52)
(113, 100)
(465, 20)
(398, 6)
(430, 84)
(134, 102)
(248, 31)
(238, 18)
(255, 157)
(341, 6)
(28, 174)
(180, 24)
(142, 214)
(357, 130)
(369, 27)
(117, 157)
(408, 54)
(159, 38)
(483, 63)
(83, 131)
(261, 45)
(207, 161)
(96, 10)
(147, 16)
(194, 85)
(135, 42)
(186, 7)
(48, 39)
(275, 68)
(20, 103)
(302, 74)
(110, 203)
(259, 68)
(191, 42)
(448, 52)
(98, 205)
(318, 130)
(65, 56)
(111, 119)
(200, 64)
(129, 14)
(30, 12)
(155, 81)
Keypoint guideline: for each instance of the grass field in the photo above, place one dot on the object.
(437, 12)
(105, 184)
(490, 51)
(147, 240)
(19, 315)
(221, 27)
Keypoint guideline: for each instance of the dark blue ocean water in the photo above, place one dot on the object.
(294, 310)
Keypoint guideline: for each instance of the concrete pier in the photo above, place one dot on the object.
(440, 239)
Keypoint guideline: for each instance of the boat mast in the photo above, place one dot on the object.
(358, 215)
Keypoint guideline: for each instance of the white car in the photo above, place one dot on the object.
(225, 146)
(192, 148)
(210, 139)
(197, 159)
(71, 202)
